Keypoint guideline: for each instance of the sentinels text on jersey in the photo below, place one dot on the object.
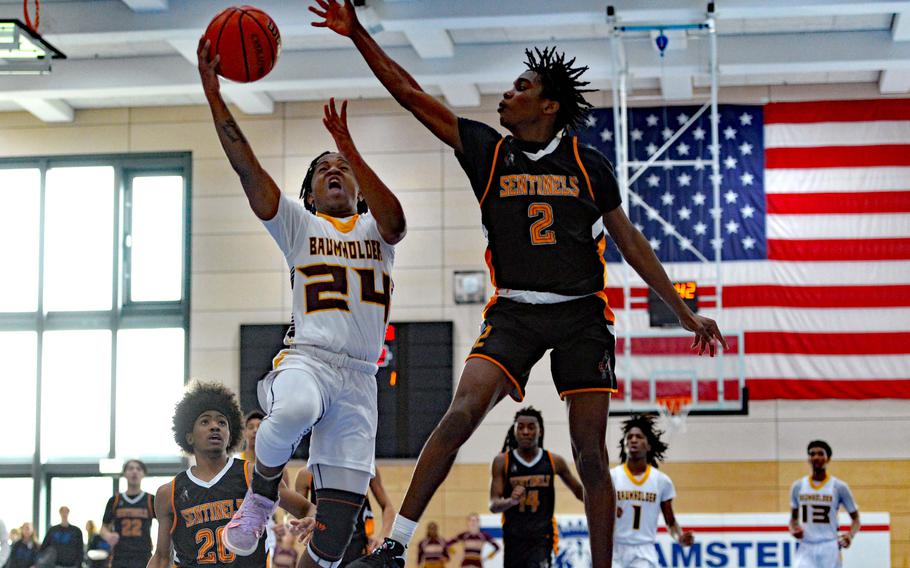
(201, 511)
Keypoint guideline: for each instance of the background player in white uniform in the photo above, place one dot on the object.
(340, 259)
(642, 493)
(814, 503)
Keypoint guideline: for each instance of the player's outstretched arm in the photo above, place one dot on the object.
(341, 18)
(638, 253)
(165, 515)
(500, 502)
(383, 204)
(260, 189)
(564, 473)
(684, 538)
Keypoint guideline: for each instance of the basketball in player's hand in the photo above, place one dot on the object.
(248, 42)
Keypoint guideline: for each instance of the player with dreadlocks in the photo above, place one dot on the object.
(642, 493)
(194, 508)
(546, 204)
(523, 490)
(340, 258)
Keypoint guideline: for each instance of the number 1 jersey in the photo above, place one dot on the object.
(638, 502)
(340, 279)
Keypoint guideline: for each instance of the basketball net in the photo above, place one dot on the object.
(673, 412)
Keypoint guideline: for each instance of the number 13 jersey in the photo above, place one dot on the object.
(817, 505)
(340, 279)
(638, 502)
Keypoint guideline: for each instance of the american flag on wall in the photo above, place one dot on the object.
(815, 236)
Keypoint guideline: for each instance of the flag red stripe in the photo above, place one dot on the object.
(868, 343)
(768, 295)
(770, 388)
(784, 343)
(834, 203)
(838, 156)
(796, 389)
(837, 111)
(838, 249)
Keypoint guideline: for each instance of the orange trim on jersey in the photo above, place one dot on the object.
(116, 500)
(552, 463)
(555, 536)
(582, 166)
(492, 171)
(173, 507)
(248, 473)
(343, 226)
(506, 469)
(488, 258)
(608, 311)
(279, 358)
(521, 392)
(493, 299)
(823, 483)
(563, 395)
(632, 478)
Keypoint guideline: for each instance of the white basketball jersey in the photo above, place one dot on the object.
(340, 278)
(639, 499)
(817, 504)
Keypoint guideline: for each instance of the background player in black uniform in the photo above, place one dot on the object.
(365, 538)
(546, 204)
(523, 490)
(127, 521)
(194, 507)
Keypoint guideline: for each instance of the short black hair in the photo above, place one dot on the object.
(306, 188)
(820, 444)
(560, 82)
(140, 463)
(510, 442)
(253, 415)
(648, 426)
(199, 397)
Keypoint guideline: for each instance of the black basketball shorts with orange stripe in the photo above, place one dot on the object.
(515, 335)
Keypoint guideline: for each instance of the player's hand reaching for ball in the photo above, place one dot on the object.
(707, 335)
(337, 125)
(208, 67)
(341, 18)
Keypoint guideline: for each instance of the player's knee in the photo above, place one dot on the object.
(336, 516)
(300, 411)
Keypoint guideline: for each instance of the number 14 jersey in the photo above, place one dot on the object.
(340, 279)
(638, 502)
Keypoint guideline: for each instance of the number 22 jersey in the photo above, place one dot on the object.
(340, 279)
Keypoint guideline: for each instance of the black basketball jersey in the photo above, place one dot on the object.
(201, 511)
(131, 517)
(533, 517)
(541, 211)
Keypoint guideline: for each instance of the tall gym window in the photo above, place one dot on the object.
(94, 314)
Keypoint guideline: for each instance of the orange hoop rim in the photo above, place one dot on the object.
(674, 404)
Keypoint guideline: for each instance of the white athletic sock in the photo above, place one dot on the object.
(403, 530)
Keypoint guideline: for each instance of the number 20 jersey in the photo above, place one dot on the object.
(340, 278)
(638, 503)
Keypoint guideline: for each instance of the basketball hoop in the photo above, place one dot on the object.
(673, 410)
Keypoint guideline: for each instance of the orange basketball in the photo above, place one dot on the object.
(248, 42)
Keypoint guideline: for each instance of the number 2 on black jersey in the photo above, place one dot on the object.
(541, 234)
